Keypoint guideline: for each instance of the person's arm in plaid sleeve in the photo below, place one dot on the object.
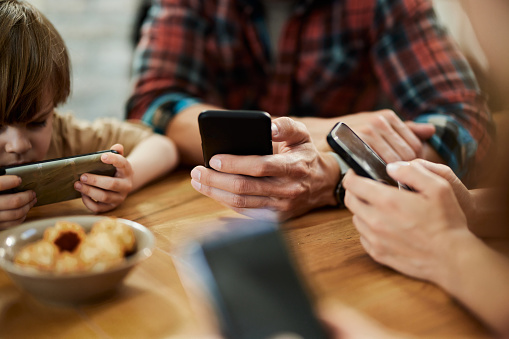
(429, 80)
(170, 73)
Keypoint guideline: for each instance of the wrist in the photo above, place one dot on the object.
(474, 214)
(333, 176)
(339, 190)
(457, 247)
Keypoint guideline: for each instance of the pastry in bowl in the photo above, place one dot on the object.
(73, 259)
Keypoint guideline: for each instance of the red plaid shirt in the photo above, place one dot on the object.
(335, 57)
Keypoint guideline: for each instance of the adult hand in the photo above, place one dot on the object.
(384, 131)
(14, 207)
(273, 187)
(102, 193)
(464, 196)
(412, 232)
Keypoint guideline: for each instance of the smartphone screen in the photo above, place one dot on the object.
(358, 155)
(235, 132)
(53, 180)
(254, 288)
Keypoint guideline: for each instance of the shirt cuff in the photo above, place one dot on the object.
(452, 141)
(164, 108)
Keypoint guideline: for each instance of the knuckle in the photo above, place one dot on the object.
(381, 122)
(376, 225)
(205, 189)
(389, 114)
(262, 169)
(18, 201)
(85, 189)
(295, 191)
(101, 196)
(369, 131)
(18, 214)
(240, 185)
(239, 201)
(94, 208)
(298, 169)
(299, 126)
(91, 179)
(285, 206)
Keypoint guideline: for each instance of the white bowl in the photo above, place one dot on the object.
(75, 287)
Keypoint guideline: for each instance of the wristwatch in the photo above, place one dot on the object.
(339, 191)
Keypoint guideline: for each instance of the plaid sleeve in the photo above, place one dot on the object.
(168, 66)
(429, 80)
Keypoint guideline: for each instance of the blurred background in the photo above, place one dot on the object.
(99, 36)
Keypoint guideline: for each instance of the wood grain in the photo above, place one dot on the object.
(153, 303)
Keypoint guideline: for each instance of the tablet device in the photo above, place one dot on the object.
(235, 132)
(53, 180)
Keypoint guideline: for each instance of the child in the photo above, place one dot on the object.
(34, 79)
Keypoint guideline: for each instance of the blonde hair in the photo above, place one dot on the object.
(33, 62)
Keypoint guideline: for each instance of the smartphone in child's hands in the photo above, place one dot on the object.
(235, 132)
(53, 180)
(358, 155)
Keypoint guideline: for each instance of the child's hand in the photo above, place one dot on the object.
(102, 193)
(14, 207)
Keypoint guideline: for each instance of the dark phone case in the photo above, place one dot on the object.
(256, 290)
(345, 154)
(235, 132)
(53, 180)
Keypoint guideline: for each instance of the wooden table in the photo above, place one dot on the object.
(152, 302)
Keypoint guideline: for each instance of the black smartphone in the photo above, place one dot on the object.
(235, 132)
(53, 180)
(252, 284)
(358, 155)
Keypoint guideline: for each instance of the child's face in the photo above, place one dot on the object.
(27, 142)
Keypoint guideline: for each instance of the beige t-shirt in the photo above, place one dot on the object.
(73, 137)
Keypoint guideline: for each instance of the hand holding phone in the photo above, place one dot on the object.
(102, 193)
(358, 155)
(15, 206)
(235, 132)
(53, 180)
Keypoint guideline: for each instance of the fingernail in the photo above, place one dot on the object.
(196, 185)
(104, 157)
(215, 163)
(78, 186)
(394, 166)
(34, 195)
(275, 130)
(196, 174)
(84, 178)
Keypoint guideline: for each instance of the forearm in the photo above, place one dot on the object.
(183, 130)
(478, 277)
(326, 195)
(152, 158)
